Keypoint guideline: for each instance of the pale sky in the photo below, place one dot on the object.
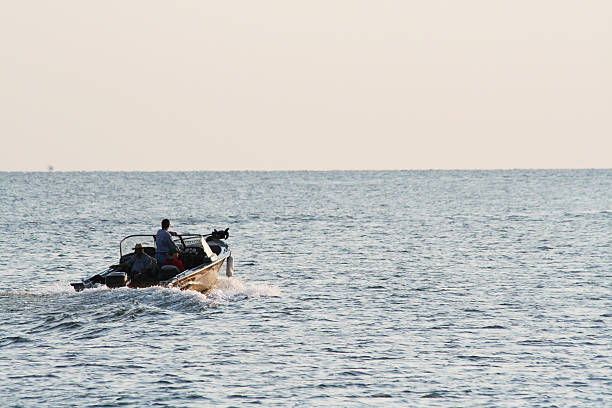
(291, 85)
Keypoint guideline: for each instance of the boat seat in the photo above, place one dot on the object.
(193, 256)
(167, 272)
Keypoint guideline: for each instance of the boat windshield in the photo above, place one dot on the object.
(198, 241)
(128, 243)
(181, 241)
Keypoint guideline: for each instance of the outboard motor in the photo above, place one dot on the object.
(218, 235)
(78, 286)
(116, 279)
(229, 266)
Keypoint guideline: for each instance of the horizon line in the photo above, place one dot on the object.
(309, 170)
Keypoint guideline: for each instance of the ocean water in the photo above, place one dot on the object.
(351, 289)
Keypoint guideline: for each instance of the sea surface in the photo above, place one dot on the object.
(351, 289)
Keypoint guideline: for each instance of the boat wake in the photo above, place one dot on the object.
(153, 299)
(226, 291)
(230, 289)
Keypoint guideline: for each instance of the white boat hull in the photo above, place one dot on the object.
(201, 280)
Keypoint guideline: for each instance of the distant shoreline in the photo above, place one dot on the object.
(309, 171)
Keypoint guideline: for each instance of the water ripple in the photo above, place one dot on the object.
(435, 288)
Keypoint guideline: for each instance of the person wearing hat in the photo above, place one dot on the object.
(174, 260)
(141, 266)
(163, 242)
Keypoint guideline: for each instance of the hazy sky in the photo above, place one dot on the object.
(334, 84)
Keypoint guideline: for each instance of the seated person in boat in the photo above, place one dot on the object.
(174, 260)
(163, 242)
(141, 267)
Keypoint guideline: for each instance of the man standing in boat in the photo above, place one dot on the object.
(163, 242)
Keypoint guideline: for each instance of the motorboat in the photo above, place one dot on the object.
(202, 256)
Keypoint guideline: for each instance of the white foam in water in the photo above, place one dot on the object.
(57, 288)
(225, 290)
(231, 288)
